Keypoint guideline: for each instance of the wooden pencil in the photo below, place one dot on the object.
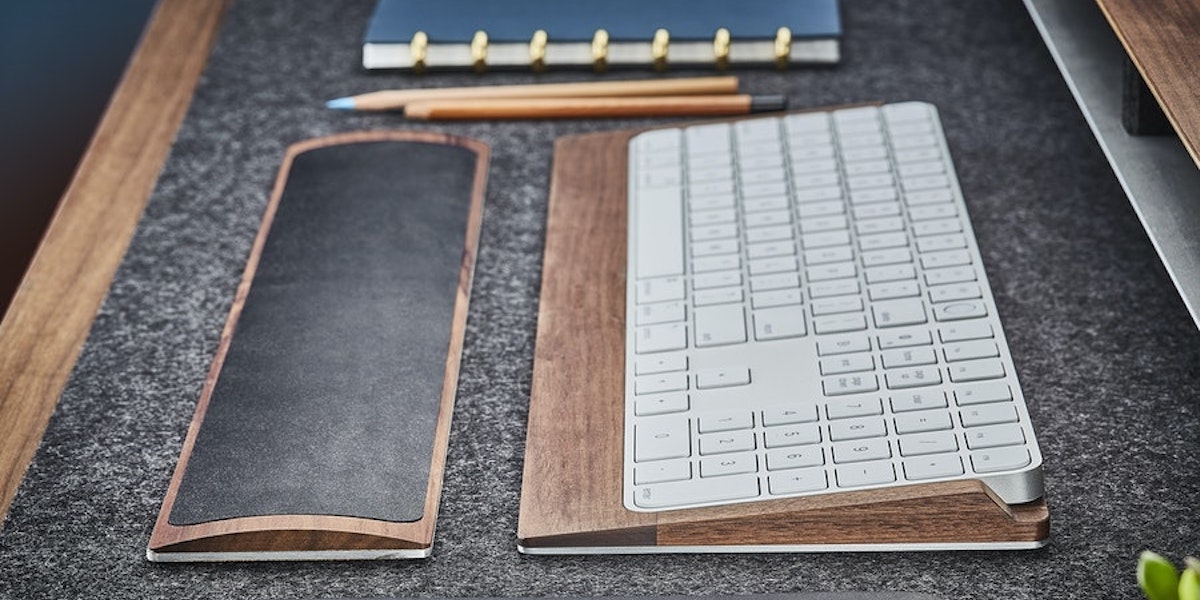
(683, 86)
(585, 108)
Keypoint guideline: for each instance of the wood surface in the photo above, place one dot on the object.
(1162, 37)
(52, 310)
(397, 99)
(296, 533)
(571, 492)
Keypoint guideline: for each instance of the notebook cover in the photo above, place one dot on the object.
(331, 392)
(456, 21)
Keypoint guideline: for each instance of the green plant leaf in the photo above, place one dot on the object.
(1158, 577)
(1189, 583)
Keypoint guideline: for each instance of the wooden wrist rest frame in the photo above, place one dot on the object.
(571, 493)
(322, 427)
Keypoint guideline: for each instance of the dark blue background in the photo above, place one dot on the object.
(59, 62)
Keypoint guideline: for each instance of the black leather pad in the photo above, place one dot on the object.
(328, 398)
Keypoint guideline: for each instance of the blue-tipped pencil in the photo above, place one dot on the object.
(397, 99)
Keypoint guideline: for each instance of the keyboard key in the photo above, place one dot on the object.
(660, 363)
(779, 323)
(837, 304)
(720, 325)
(901, 379)
(660, 290)
(663, 470)
(728, 465)
(762, 283)
(722, 377)
(928, 443)
(853, 408)
(993, 460)
(660, 338)
(658, 226)
(890, 273)
(804, 480)
(717, 296)
(716, 263)
(660, 404)
(993, 436)
(792, 435)
(842, 344)
(839, 323)
(775, 298)
(856, 429)
(919, 422)
(861, 450)
(847, 363)
(933, 467)
(730, 441)
(988, 414)
(970, 350)
(696, 491)
(654, 384)
(980, 393)
(949, 258)
(967, 330)
(849, 384)
(661, 438)
(837, 287)
(900, 338)
(908, 357)
(717, 280)
(787, 416)
(876, 473)
(897, 313)
(953, 311)
(662, 312)
(920, 400)
(974, 370)
(950, 293)
(892, 290)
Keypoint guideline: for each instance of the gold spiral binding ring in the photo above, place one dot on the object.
(600, 51)
(479, 45)
(721, 49)
(659, 48)
(419, 49)
(537, 51)
(783, 47)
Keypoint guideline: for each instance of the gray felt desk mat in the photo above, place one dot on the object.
(1107, 353)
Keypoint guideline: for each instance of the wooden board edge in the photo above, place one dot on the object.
(1174, 92)
(322, 532)
(52, 311)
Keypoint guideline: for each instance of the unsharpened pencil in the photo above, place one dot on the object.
(590, 108)
(683, 86)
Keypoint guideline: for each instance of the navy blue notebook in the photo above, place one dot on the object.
(697, 32)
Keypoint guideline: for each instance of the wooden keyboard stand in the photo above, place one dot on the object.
(571, 491)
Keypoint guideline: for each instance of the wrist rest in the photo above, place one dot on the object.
(321, 429)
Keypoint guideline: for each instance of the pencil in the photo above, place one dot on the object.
(397, 99)
(583, 108)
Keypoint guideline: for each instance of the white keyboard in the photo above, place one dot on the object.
(807, 313)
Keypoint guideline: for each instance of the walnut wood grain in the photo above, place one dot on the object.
(53, 308)
(1162, 37)
(571, 494)
(299, 533)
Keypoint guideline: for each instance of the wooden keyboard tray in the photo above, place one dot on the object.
(571, 491)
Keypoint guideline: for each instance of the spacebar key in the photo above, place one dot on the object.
(659, 232)
(697, 491)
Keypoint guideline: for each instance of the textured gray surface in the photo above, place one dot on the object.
(1108, 356)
